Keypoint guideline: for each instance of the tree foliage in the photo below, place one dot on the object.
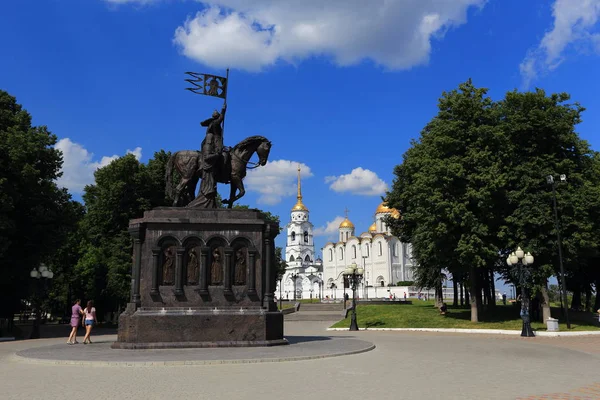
(123, 190)
(473, 187)
(34, 212)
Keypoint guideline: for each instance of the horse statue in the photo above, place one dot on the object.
(232, 170)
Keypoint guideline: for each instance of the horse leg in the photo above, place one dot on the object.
(178, 190)
(236, 183)
(232, 189)
(191, 187)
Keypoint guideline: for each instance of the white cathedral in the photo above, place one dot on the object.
(384, 257)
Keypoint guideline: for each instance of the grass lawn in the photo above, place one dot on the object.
(423, 314)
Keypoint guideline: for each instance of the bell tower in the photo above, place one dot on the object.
(300, 247)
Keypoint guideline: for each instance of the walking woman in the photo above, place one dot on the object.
(90, 320)
(76, 312)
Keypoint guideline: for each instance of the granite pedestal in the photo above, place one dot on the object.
(202, 278)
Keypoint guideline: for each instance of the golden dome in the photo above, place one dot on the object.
(346, 224)
(299, 205)
(384, 209)
(373, 228)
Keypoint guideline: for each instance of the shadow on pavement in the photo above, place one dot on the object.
(51, 331)
(303, 339)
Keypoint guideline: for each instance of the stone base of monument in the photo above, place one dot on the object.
(201, 278)
(155, 328)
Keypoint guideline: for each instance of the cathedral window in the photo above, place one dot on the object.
(305, 237)
(367, 249)
(330, 254)
(307, 258)
(353, 251)
(341, 253)
(380, 249)
(293, 236)
(291, 258)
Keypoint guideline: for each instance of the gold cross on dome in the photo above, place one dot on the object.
(346, 211)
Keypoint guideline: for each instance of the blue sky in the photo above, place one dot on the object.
(340, 87)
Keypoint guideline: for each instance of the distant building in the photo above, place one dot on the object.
(385, 259)
(303, 278)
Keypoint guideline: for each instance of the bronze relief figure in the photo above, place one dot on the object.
(216, 268)
(169, 265)
(240, 266)
(193, 267)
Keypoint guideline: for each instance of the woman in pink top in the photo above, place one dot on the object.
(76, 312)
(89, 321)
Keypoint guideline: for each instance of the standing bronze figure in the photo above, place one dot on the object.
(216, 268)
(213, 158)
(240, 266)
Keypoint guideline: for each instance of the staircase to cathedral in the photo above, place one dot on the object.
(317, 312)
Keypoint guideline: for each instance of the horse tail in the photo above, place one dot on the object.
(169, 176)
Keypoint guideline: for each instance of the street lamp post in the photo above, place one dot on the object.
(551, 182)
(520, 262)
(294, 276)
(354, 275)
(280, 291)
(38, 273)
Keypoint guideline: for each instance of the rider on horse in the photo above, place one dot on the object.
(213, 152)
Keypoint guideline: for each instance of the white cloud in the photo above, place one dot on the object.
(255, 34)
(360, 181)
(330, 229)
(276, 180)
(78, 168)
(574, 25)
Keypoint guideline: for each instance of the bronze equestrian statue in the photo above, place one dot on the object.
(214, 163)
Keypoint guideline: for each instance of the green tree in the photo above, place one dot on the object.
(32, 207)
(280, 263)
(123, 190)
(540, 140)
(447, 189)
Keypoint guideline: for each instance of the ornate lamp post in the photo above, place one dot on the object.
(563, 283)
(294, 276)
(520, 263)
(354, 275)
(38, 273)
(280, 291)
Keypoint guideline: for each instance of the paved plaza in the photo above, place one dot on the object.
(403, 365)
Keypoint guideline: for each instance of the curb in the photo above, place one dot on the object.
(22, 359)
(476, 331)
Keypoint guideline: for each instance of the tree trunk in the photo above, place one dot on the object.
(597, 302)
(467, 297)
(475, 295)
(588, 297)
(545, 303)
(492, 289)
(576, 300)
(485, 283)
(454, 283)
(439, 295)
